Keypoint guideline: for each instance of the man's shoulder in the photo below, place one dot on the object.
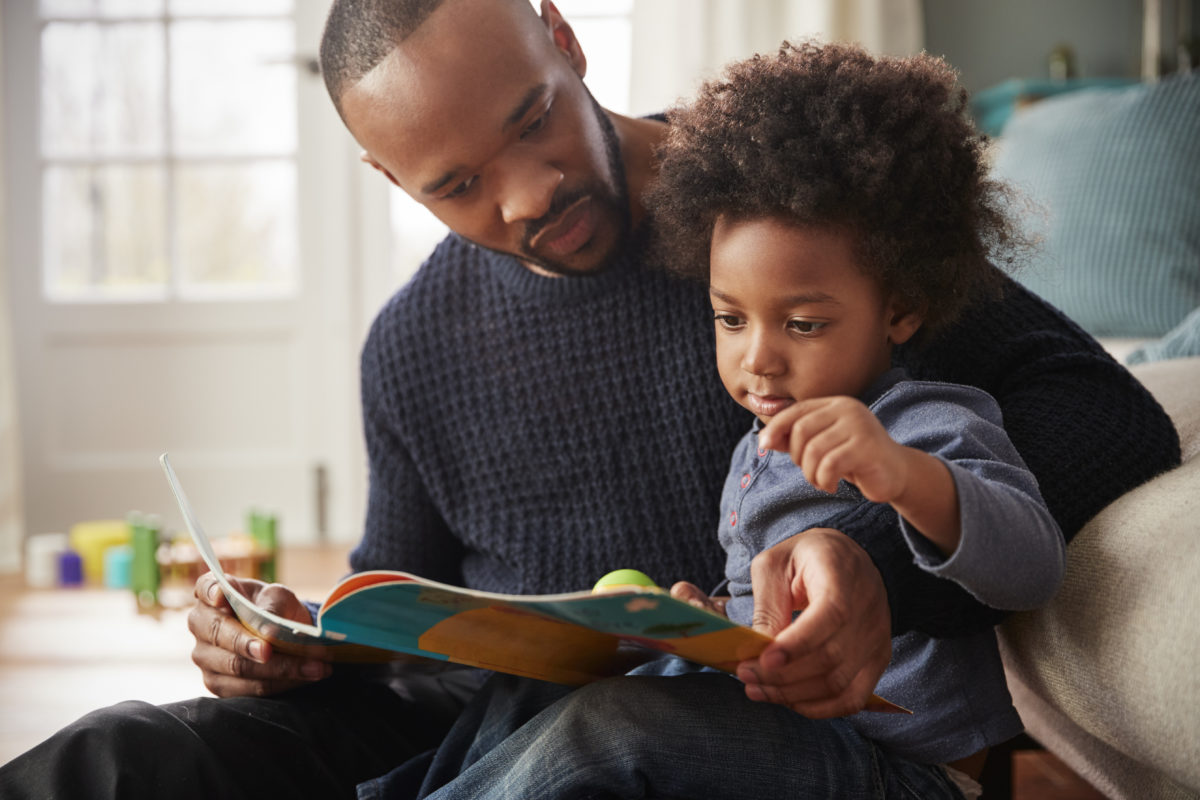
(449, 274)
(442, 271)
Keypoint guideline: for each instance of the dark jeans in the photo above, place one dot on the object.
(646, 736)
(319, 742)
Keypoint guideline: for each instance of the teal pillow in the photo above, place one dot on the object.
(1114, 178)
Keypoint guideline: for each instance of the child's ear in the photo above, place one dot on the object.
(903, 322)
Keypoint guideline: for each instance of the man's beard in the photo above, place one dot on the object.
(611, 197)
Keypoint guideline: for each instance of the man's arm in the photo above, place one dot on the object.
(403, 529)
(1086, 428)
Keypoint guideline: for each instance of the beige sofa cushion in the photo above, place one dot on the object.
(1107, 676)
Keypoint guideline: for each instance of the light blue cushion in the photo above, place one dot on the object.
(1182, 342)
(993, 107)
(1116, 175)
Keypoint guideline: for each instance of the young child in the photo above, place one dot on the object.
(838, 207)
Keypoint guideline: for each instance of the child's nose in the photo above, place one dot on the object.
(762, 358)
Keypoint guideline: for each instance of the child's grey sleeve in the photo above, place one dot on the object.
(1011, 554)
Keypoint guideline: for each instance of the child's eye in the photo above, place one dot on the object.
(805, 325)
(729, 322)
(461, 189)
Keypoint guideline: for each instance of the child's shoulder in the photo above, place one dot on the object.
(935, 401)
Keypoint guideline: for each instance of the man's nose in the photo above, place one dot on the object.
(527, 191)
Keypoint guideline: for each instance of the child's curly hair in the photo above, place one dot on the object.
(829, 135)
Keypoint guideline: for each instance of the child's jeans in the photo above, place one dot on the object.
(687, 736)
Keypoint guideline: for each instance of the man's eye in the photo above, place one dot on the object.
(462, 188)
(535, 126)
(805, 325)
(728, 321)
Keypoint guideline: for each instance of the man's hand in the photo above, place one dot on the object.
(693, 595)
(825, 663)
(234, 661)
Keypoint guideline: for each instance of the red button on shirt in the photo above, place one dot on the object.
(745, 480)
(733, 518)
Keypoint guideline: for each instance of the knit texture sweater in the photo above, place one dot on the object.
(528, 434)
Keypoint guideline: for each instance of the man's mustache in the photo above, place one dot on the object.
(561, 201)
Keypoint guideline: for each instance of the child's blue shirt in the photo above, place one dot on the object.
(1011, 556)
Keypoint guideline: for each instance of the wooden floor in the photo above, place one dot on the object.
(1038, 774)
(65, 652)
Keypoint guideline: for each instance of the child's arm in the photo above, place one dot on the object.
(1009, 551)
(838, 438)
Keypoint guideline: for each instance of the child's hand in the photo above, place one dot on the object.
(694, 595)
(838, 438)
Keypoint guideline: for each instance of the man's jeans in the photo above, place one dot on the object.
(318, 742)
(690, 736)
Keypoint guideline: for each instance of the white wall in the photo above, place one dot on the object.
(677, 44)
(11, 529)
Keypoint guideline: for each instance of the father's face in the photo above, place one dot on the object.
(485, 121)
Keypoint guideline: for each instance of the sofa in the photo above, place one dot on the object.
(1107, 676)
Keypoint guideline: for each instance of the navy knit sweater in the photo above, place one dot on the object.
(529, 434)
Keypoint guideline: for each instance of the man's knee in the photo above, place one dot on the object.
(103, 753)
(132, 726)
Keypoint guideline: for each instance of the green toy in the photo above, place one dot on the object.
(625, 579)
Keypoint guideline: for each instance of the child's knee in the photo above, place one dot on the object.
(634, 712)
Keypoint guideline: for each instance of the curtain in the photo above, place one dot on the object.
(679, 43)
(11, 532)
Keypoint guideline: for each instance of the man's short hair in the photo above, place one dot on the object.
(360, 33)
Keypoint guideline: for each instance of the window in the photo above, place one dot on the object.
(604, 29)
(168, 141)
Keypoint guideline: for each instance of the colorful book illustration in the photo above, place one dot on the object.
(570, 638)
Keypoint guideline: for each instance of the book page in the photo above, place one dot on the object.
(270, 626)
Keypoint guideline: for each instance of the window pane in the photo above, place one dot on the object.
(237, 229)
(233, 87)
(101, 8)
(415, 232)
(103, 232)
(102, 89)
(608, 75)
(215, 8)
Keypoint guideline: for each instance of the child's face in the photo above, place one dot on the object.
(795, 316)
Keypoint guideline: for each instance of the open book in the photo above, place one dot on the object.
(571, 638)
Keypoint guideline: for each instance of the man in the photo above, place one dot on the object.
(535, 420)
